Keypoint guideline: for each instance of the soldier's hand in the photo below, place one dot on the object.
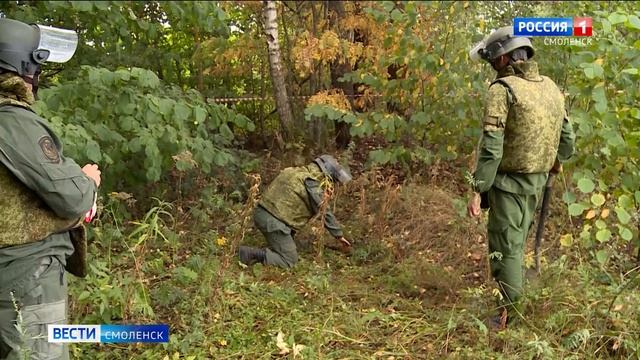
(344, 241)
(342, 245)
(473, 207)
(92, 171)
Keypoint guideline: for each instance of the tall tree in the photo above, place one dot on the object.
(277, 76)
(339, 68)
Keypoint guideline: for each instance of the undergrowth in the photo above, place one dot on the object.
(416, 286)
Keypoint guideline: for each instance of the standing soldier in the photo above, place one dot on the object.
(292, 199)
(526, 135)
(45, 198)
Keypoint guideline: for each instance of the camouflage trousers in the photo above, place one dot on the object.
(282, 249)
(26, 307)
(510, 218)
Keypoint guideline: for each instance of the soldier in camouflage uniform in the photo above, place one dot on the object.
(292, 199)
(526, 135)
(45, 198)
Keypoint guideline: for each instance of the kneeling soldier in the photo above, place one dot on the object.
(292, 199)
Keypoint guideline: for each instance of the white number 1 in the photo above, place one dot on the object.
(583, 25)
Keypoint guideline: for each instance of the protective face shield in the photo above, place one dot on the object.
(500, 42)
(330, 167)
(474, 53)
(23, 48)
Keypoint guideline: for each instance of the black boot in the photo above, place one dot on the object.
(250, 255)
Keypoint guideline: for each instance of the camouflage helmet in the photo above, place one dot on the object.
(23, 48)
(500, 42)
(330, 167)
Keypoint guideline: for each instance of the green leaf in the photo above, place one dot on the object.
(637, 196)
(606, 26)
(576, 209)
(603, 235)
(225, 131)
(82, 6)
(586, 185)
(251, 126)
(146, 78)
(623, 215)
(135, 145)
(181, 112)
(568, 197)
(633, 22)
(602, 256)
(589, 72)
(316, 110)
(600, 224)
(200, 114)
(165, 106)
(597, 199)
(379, 157)
(93, 151)
(599, 96)
(420, 118)
(632, 71)
(625, 201)
(625, 233)
(616, 18)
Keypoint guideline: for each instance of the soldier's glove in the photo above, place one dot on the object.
(342, 245)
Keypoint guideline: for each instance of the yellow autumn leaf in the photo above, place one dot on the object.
(222, 342)
(566, 240)
(599, 61)
(590, 214)
(281, 344)
(297, 350)
(604, 214)
(496, 292)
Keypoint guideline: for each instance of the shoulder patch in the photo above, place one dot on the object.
(49, 149)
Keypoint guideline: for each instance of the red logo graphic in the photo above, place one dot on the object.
(582, 26)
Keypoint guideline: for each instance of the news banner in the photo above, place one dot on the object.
(108, 333)
(558, 31)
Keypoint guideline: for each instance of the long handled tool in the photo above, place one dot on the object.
(543, 215)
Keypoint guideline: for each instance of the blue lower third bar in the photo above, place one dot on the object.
(108, 333)
(134, 333)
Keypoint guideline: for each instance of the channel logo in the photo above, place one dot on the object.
(108, 333)
(578, 26)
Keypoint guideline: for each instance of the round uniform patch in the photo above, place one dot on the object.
(49, 148)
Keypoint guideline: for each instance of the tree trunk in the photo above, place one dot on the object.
(338, 69)
(270, 16)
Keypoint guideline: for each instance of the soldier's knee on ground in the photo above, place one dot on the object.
(290, 258)
(293, 259)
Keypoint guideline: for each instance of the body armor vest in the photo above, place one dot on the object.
(533, 126)
(24, 217)
(287, 198)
